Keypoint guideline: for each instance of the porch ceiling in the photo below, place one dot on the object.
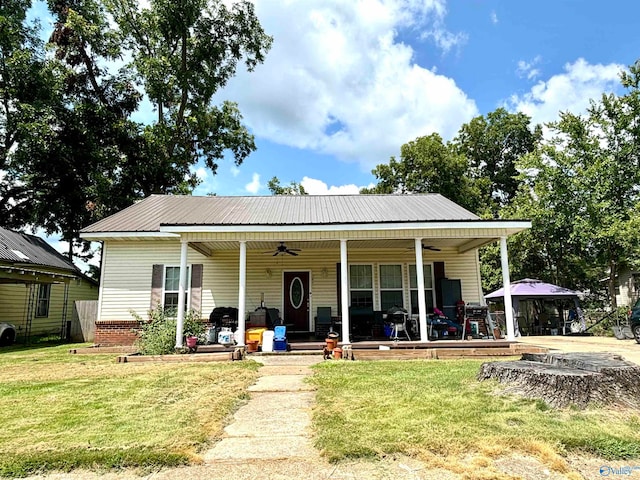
(267, 246)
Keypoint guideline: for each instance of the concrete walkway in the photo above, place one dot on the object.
(628, 349)
(274, 424)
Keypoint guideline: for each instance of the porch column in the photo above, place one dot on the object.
(422, 304)
(508, 306)
(344, 292)
(242, 295)
(182, 288)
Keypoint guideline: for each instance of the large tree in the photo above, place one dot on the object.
(27, 90)
(427, 165)
(492, 145)
(80, 156)
(183, 52)
(582, 190)
(71, 162)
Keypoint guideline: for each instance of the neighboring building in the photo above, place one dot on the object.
(38, 286)
(294, 253)
(627, 286)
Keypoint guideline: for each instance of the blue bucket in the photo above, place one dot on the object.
(388, 330)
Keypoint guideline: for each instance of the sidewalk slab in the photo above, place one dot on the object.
(281, 383)
(289, 359)
(297, 421)
(268, 404)
(285, 370)
(241, 449)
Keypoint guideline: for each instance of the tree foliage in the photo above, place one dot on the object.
(294, 188)
(71, 152)
(27, 87)
(492, 146)
(427, 165)
(582, 191)
(580, 187)
(183, 52)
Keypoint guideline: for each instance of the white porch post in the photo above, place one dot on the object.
(508, 306)
(344, 292)
(422, 304)
(182, 287)
(242, 294)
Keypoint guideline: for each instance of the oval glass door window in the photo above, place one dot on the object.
(296, 293)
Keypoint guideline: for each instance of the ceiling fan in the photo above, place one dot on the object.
(428, 247)
(282, 249)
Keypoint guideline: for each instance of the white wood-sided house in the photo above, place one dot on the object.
(38, 286)
(294, 253)
(627, 286)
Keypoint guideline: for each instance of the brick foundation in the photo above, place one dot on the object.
(120, 332)
(116, 332)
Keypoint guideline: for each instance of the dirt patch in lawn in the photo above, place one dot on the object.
(400, 467)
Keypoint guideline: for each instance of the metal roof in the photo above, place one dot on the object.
(21, 249)
(149, 214)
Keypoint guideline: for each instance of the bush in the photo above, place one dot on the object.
(605, 327)
(157, 335)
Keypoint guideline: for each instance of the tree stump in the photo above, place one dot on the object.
(564, 379)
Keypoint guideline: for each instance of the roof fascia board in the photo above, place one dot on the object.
(25, 275)
(98, 236)
(515, 226)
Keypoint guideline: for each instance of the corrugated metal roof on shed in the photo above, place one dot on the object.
(148, 214)
(23, 249)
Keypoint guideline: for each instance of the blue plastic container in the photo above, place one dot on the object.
(280, 338)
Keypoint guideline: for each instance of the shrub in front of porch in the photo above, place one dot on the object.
(157, 335)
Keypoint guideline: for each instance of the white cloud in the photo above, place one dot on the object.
(567, 91)
(201, 172)
(494, 17)
(235, 171)
(317, 187)
(527, 69)
(337, 81)
(255, 185)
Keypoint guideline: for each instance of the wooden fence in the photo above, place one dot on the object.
(83, 320)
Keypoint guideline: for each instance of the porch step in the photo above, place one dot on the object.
(444, 353)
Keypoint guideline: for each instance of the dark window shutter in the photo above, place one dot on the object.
(157, 276)
(339, 288)
(196, 287)
(438, 273)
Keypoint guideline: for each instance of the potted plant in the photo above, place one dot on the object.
(192, 329)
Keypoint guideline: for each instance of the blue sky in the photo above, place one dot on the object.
(347, 83)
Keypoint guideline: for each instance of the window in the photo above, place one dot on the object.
(391, 287)
(361, 285)
(171, 287)
(428, 288)
(44, 295)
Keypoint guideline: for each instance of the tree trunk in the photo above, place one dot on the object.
(613, 272)
(563, 380)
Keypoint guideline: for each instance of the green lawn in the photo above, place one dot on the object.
(438, 408)
(63, 411)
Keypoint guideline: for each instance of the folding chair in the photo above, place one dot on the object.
(323, 322)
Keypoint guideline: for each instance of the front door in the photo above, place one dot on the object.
(296, 300)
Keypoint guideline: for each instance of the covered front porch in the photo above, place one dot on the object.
(308, 273)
